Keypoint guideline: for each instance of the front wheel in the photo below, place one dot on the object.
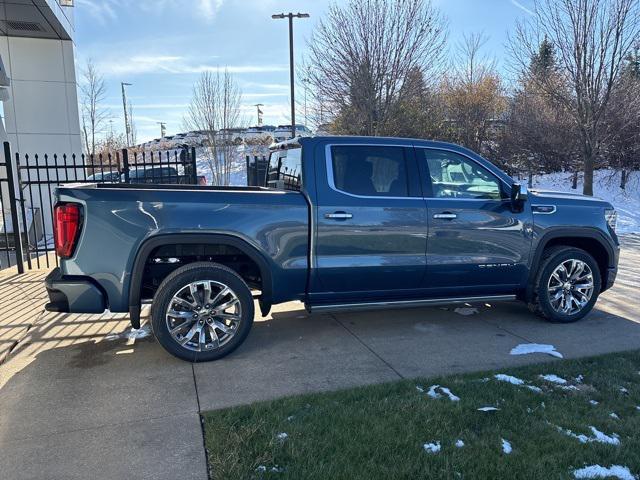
(202, 311)
(567, 285)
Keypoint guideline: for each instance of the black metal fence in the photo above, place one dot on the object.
(28, 182)
(257, 171)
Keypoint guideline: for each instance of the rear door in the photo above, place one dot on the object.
(476, 242)
(371, 225)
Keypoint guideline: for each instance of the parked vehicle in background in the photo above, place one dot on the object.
(283, 132)
(346, 223)
(107, 177)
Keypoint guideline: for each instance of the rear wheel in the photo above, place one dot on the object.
(567, 285)
(202, 311)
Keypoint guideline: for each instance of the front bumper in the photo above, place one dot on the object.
(73, 294)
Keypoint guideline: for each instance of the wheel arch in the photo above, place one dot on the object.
(591, 240)
(152, 243)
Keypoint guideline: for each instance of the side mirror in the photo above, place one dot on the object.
(519, 195)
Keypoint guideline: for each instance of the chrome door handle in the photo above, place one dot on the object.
(338, 216)
(445, 216)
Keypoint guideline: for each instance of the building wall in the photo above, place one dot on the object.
(42, 114)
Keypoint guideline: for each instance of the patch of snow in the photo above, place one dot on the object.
(434, 394)
(488, 409)
(596, 471)
(598, 436)
(282, 436)
(459, 443)
(131, 334)
(593, 402)
(527, 348)
(569, 387)
(614, 415)
(553, 379)
(638, 407)
(290, 418)
(452, 397)
(508, 378)
(506, 447)
(431, 447)
(579, 379)
(623, 390)
(466, 311)
(419, 388)
(533, 388)
(274, 469)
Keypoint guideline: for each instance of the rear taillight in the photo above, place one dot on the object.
(66, 228)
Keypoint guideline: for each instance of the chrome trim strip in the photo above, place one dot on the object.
(406, 303)
(533, 209)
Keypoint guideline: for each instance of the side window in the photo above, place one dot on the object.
(456, 176)
(285, 169)
(370, 170)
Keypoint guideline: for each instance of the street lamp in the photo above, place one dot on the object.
(291, 16)
(127, 128)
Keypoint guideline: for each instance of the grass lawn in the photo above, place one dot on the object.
(380, 432)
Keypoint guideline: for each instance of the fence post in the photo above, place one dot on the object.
(125, 164)
(23, 213)
(193, 166)
(17, 239)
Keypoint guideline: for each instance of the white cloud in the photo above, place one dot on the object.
(143, 64)
(209, 8)
(522, 7)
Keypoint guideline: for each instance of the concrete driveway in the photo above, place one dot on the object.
(79, 397)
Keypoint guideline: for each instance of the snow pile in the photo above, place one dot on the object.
(282, 436)
(553, 379)
(488, 409)
(431, 447)
(597, 437)
(606, 185)
(614, 415)
(433, 392)
(509, 379)
(131, 334)
(506, 447)
(596, 471)
(274, 469)
(526, 348)
(459, 443)
(593, 402)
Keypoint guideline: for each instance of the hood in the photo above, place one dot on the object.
(565, 197)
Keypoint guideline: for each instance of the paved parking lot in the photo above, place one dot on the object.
(79, 398)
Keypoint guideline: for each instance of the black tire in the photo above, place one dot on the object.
(181, 278)
(551, 259)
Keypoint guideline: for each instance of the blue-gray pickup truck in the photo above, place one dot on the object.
(341, 223)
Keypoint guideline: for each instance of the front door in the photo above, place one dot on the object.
(477, 243)
(371, 227)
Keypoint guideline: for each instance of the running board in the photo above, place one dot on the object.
(352, 307)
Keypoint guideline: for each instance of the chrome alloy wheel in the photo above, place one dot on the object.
(203, 315)
(570, 286)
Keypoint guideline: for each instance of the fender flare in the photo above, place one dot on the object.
(154, 242)
(562, 232)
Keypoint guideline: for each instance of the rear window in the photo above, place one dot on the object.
(285, 169)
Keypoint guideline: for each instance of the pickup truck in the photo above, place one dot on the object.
(344, 223)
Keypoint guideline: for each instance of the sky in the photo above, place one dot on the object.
(161, 47)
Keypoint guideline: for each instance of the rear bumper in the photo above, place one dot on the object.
(73, 294)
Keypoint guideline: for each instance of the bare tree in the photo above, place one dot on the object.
(361, 54)
(592, 39)
(474, 96)
(93, 92)
(215, 110)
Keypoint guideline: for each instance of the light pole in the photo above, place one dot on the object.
(258, 105)
(291, 16)
(163, 128)
(127, 128)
